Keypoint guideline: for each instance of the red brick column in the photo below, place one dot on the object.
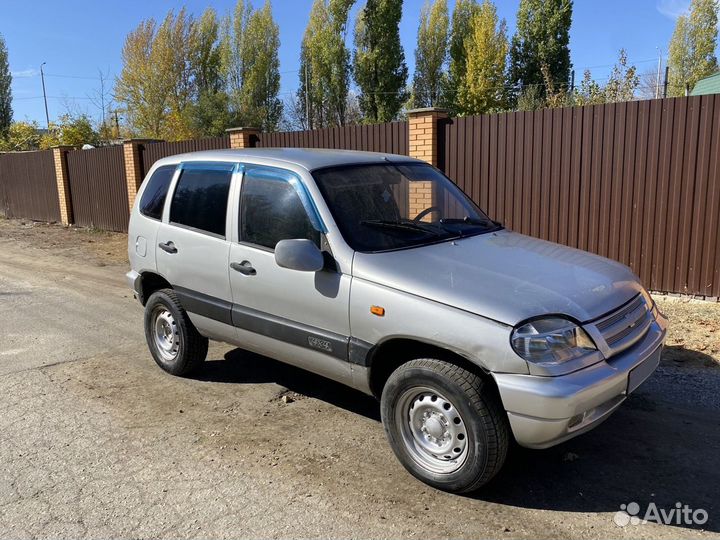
(423, 138)
(243, 137)
(133, 166)
(63, 183)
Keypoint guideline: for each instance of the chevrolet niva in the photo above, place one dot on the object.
(377, 271)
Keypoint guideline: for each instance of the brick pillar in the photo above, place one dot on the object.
(243, 137)
(423, 139)
(63, 184)
(132, 152)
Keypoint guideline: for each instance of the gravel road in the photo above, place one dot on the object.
(96, 441)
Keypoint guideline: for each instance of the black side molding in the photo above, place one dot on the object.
(205, 305)
(292, 332)
(359, 352)
(342, 347)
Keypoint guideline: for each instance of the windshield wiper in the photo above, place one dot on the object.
(470, 221)
(407, 225)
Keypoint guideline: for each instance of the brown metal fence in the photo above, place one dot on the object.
(98, 188)
(638, 182)
(390, 137)
(151, 152)
(28, 188)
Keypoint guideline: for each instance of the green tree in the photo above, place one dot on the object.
(462, 16)
(250, 59)
(156, 83)
(205, 53)
(139, 89)
(379, 60)
(542, 39)
(231, 53)
(486, 45)
(692, 46)
(325, 65)
(210, 115)
(20, 136)
(71, 131)
(173, 45)
(620, 86)
(430, 55)
(172, 84)
(623, 81)
(6, 112)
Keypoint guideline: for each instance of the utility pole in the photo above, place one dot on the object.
(42, 77)
(572, 82)
(102, 96)
(117, 124)
(657, 79)
(665, 84)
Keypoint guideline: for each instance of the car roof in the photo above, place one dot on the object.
(308, 158)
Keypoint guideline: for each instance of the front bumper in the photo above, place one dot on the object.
(544, 411)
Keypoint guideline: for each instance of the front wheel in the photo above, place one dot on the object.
(444, 424)
(174, 342)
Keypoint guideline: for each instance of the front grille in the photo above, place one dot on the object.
(626, 326)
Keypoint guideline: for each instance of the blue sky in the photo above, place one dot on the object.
(77, 38)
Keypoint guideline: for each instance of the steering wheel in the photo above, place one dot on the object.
(427, 211)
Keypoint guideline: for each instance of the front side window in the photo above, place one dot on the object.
(200, 198)
(272, 209)
(387, 206)
(155, 192)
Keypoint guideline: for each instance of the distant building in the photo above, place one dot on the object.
(708, 85)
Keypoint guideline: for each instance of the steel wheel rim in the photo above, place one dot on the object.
(166, 334)
(433, 431)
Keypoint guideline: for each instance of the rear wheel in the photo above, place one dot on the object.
(174, 342)
(444, 424)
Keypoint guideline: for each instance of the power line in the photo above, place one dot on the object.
(49, 97)
(72, 76)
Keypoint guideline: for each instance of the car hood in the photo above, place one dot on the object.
(505, 276)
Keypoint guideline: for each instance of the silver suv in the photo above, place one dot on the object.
(468, 333)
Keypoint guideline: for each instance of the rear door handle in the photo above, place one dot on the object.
(244, 268)
(168, 247)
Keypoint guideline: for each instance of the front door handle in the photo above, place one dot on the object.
(168, 247)
(244, 268)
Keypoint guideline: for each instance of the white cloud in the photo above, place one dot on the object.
(672, 9)
(22, 74)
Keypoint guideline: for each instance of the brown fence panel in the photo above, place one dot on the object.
(391, 138)
(28, 188)
(151, 152)
(98, 188)
(638, 182)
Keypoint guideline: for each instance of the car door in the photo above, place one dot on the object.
(298, 317)
(193, 248)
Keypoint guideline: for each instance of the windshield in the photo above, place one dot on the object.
(386, 206)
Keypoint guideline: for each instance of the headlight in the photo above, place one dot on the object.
(551, 341)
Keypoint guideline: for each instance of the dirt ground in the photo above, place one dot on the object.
(96, 246)
(96, 441)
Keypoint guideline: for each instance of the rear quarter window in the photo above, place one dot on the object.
(155, 193)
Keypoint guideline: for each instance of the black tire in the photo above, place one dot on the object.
(478, 414)
(189, 348)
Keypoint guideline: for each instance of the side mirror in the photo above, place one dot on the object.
(299, 254)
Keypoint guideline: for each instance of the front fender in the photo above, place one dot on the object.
(481, 341)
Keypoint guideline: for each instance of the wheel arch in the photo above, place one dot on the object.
(151, 282)
(390, 354)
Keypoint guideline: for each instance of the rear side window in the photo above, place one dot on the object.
(271, 210)
(153, 197)
(200, 198)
